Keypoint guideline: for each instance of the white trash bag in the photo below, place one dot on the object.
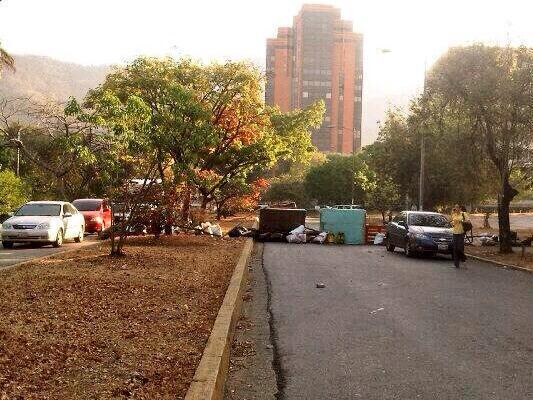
(297, 238)
(216, 230)
(300, 229)
(379, 238)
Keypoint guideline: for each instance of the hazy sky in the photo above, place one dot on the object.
(115, 31)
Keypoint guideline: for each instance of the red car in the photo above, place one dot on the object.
(97, 213)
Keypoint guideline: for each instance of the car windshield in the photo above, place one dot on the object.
(431, 220)
(45, 210)
(87, 205)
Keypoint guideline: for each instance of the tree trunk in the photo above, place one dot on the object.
(220, 206)
(186, 206)
(486, 224)
(504, 224)
(205, 202)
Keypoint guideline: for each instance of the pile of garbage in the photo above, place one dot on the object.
(301, 234)
(298, 235)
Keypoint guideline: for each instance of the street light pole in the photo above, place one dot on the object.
(422, 155)
(353, 166)
(18, 153)
(421, 181)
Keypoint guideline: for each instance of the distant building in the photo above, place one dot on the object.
(320, 57)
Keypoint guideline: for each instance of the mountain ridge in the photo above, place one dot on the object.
(43, 78)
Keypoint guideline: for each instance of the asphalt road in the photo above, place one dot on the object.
(24, 252)
(389, 327)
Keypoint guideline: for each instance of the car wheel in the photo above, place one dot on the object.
(407, 249)
(59, 240)
(79, 239)
(7, 245)
(390, 246)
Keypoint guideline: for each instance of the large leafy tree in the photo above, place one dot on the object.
(493, 86)
(455, 167)
(394, 154)
(334, 181)
(209, 122)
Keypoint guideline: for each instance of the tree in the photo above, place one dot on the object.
(209, 120)
(248, 136)
(451, 176)
(287, 180)
(61, 156)
(384, 196)
(494, 86)
(130, 129)
(394, 154)
(6, 61)
(287, 188)
(12, 191)
(240, 194)
(332, 182)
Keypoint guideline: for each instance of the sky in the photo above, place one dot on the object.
(416, 32)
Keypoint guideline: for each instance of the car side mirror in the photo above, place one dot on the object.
(67, 215)
(402, 224)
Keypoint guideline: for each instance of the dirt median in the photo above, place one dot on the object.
(91, 326)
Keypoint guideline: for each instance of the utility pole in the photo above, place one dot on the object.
(353, 166)
(18, 153)
(422, 155)
(421, 182)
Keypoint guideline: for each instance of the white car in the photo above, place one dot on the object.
(43, 222)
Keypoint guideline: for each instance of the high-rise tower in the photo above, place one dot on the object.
(320, 57)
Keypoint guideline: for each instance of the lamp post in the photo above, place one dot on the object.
(18, 153)
(422, 155)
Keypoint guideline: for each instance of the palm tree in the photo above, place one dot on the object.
(6, 60)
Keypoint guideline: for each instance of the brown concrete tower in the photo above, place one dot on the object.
(320, 57)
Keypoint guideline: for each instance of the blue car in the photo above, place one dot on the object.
(419, 232)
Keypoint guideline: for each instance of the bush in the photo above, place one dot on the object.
(12, 191)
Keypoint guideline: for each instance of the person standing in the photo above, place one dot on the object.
(458, 218)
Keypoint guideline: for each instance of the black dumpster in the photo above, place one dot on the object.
(280, 219)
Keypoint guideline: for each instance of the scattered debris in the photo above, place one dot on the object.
(376, 311)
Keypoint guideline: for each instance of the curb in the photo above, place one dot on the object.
(37, 259)
(500, 264)
(210, 376)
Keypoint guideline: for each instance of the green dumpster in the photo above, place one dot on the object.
(349, 221)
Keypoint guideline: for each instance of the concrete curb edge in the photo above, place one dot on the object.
(499, 264)
(210, 376)
(37, 259)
